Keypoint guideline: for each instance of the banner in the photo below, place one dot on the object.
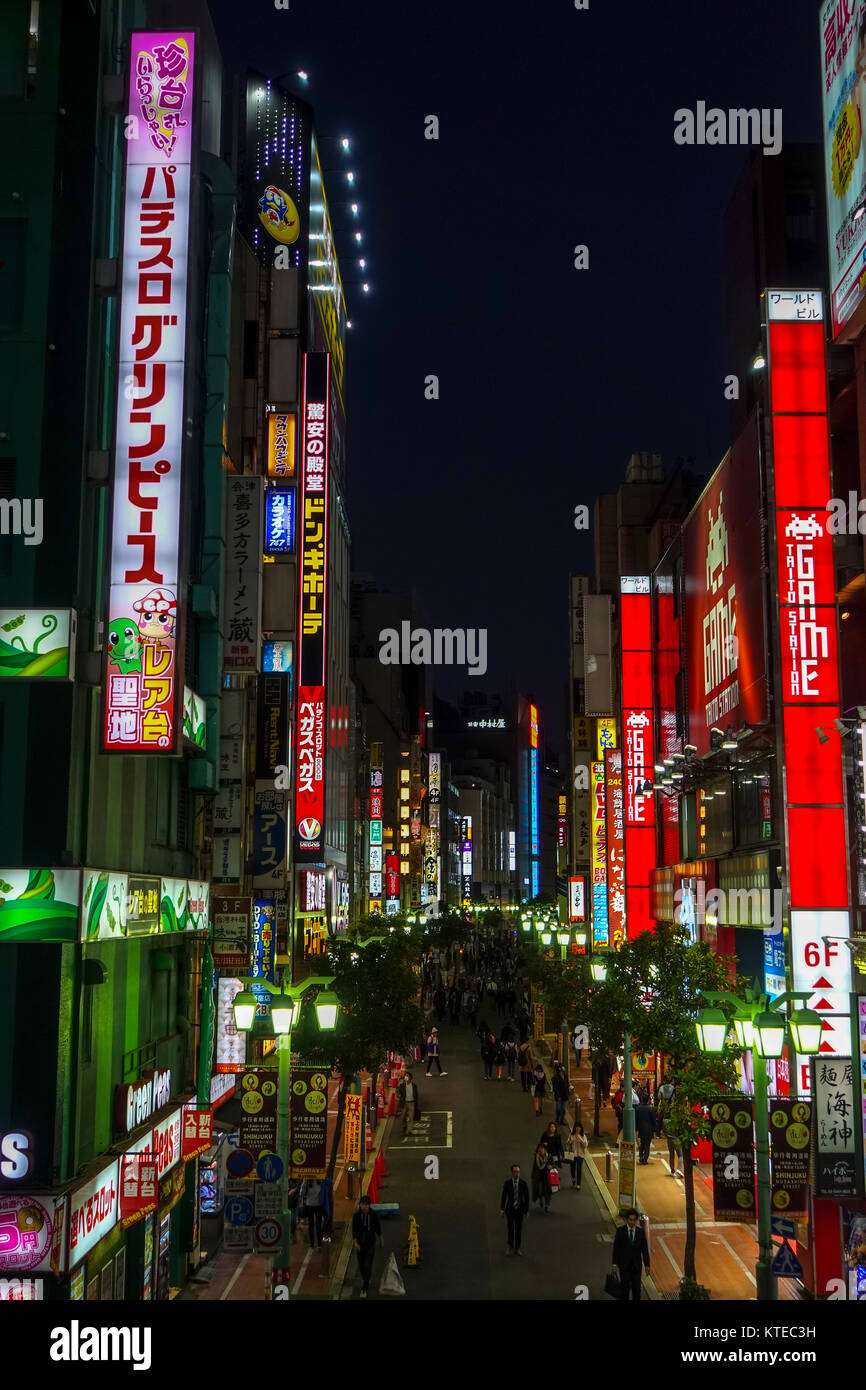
(258, 1127)
(137, 1187)
(352, 1130)
(243, 574)
(197, 1136)
(231, 933)
(626, 1185)
(837, 1172)
(733, 1158)
(309, 1121)
(790, 1136)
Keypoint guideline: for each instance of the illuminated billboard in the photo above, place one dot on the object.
(805, 600)
(598, 803)
(615, 847)
(39, 904)
(724, 598)
(312, 622)
(144, 630)
(843, 54)
(280, 521)
(282, 429)
(22, 633)
(637, 751)
(577, 899)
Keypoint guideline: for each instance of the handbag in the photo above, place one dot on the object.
(553, 1180)
(613, 1285)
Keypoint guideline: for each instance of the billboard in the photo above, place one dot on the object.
(275, 178)
(280, 521)
(243, 574)
(144, 629)
(600, 932)
(724, 598)
(637, 726)
(39, 904)
(312, 622)
(282, 431)
(615, 848)
(22, 632)
(816, 854)
(843, 53)
(577, 899)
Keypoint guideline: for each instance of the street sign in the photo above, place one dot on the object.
(784, 1228)
(238, 1211)
(270, 1168)
(240, 1163)
(786, 1263)
(268, 1200)
(269, 1233)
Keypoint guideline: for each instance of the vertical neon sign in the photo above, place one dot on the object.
(312, 623)
(533, 800)
(637, 724)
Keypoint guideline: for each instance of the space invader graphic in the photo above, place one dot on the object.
(717, 549)
(804, 527)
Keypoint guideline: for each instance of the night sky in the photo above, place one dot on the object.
(556, 129)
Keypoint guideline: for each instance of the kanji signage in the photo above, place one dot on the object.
(837, 1171)
(637, 724)
(93, 1212)
(599, 855)
(309, 1120)
(197, 1132)
(814, 809)
(231, 933)
(243, 574)
(262, 954)
(138, 1187)
(577, 899)
(258, 1130)
(313, 891)
(144, 631)
(733, 1158)
(312, 623)
(790, 1146)
(615, 848)
(280, 521)
(281, 445)
(352, 1130)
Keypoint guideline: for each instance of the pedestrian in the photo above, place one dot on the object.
(541, 1178)
(618, 1104)
(604, 1074)
(645, 1128)
(577, 1034)
(664, 1097)
(514, 1205)
(553, 1143)
(511, 1058)
(313, 1199)
(366, 1230)
(410, 1102)
(526, 1062)
(539, 1087)
(433, 1052)
(561, 1091)
(576, 1146)
(675, 1149)
(498, 1057)
(488, 1049)
(629, 1250)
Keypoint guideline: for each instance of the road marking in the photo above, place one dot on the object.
(234, 1279)
(677, 1270)
(300, 1279)
(744, 1267)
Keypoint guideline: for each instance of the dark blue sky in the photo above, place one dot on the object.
(556, 128)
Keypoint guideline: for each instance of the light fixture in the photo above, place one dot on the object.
(841, 726)
(304, 76)
(327, 1008)
(599, 970)
(729, 743)
(366, 289)
(345, 142)
(822, 737)
(285, 1012)
(244, 1005)
(745, 1031)
(758, 361)
(712, 1029)
(769, 1039)
(691, 748)
(545, 938)
(806, 1029)
(358, 236)
(658, 767)
(563, 937)
(350, 176)
(845, 614)
(580, 938)
(354, 209)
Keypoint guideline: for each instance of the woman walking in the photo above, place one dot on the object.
(541, 1178)
(498, 1057)
(488, 1052)
(511, 1058)
(539, 1087)
(575, 1151)
(526, 1062)
(553, 1143)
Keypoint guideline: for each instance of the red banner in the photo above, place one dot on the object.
(138, 1194)
(197, 1133)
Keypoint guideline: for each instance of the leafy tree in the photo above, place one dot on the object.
(378, 988)
(662, 979)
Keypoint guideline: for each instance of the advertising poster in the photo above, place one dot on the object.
(26, 1232)
(837, 1172)
(308, 1144)
(281, 445)
(352, 1129)
(270, 836)
(724, 611)
(231, 933)
(39, 904)
(600, 930)
(197, 1132)
(138, 1192)
(22, 632)
(626, 1184)
(733, 1158)
(231, 1046)
(258, 1129)
(262, 953)
(843, 54)
(243, 573)
(790, 1155)
(615, 848)
(272, 724)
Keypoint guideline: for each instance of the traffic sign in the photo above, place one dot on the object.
(786, 1263)
(785, 1228)
(238, 1211)
(269, 1233)
(270, 1168)
(240, 1163)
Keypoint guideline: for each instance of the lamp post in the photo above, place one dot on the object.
(285, 1012)
(760, 1028)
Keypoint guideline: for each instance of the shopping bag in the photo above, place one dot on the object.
(612, 1285)
(391, 1283)
(553, 1180)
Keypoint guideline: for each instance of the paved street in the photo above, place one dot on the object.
(493, 1125)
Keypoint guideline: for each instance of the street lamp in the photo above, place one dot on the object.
(759, 1020)
(285, 1012)
(598, 970)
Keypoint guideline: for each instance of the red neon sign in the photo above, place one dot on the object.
(637, 752)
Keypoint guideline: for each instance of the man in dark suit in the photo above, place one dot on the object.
(514, 1204)
(629, 1248)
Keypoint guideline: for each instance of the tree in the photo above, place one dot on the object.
(662, 979)
(378, 989)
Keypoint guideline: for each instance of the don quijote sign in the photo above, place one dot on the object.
(136, 1102)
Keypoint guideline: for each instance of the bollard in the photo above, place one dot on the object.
(608, 1166)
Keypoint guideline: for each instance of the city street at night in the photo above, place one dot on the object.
(432, 680)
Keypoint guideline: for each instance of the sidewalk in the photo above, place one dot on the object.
(725, 1252)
